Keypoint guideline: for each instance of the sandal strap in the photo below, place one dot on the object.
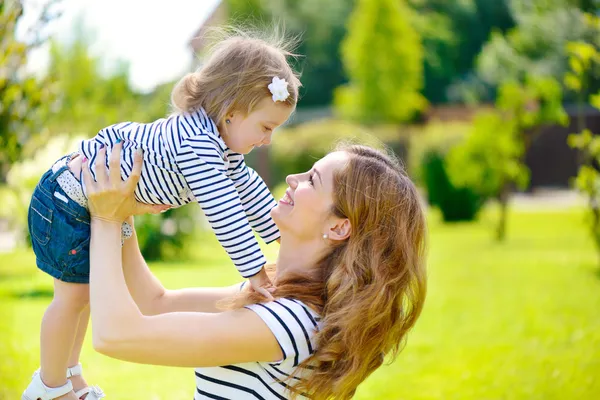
(40, 390)
(58, 391)
(93, 392)
(74, 371)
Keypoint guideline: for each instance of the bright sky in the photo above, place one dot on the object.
(151, 35)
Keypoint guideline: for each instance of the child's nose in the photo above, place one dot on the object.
(267, 139)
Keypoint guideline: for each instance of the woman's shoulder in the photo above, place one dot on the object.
(290, 307)
(293, 324)
(286, 305)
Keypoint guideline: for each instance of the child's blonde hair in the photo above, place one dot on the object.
(236, 75)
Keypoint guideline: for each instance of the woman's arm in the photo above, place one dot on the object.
(120, 329)
(151, 296)
(185, 339)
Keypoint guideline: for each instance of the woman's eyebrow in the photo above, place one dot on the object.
(319, 175)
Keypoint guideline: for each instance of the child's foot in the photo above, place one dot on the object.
(37, 390)
(68, 396)
(78, 383)
(80, 386)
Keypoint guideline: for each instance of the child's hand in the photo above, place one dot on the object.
(262, 284)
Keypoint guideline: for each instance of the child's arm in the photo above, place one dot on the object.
(256, 199)
(204, 170)
(151, 296)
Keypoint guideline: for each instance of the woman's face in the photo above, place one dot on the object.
(305, 209)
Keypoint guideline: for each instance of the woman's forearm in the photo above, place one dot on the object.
(114, 313)
(145, 288)
(151, 296)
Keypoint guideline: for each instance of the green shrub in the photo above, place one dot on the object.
(435, 136)
(490, 156)
(167, 235)
(455, 203)
(428, 165)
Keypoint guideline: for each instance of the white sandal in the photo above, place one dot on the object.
(93, 392)
(37, 390)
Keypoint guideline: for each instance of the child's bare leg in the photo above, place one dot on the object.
(78, 381)
(59, 328)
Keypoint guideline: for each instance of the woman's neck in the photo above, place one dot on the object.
(297, 256)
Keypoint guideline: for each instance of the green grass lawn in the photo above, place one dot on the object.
(518, 320)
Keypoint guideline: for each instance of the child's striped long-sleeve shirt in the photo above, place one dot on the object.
(186, 160)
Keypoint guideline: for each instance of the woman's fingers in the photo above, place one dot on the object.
(90, 185)
(136, 171)
(114, 164)
(142, 208)
(100, 166)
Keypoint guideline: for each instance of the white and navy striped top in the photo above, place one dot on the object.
(294, 325)
(186, 160)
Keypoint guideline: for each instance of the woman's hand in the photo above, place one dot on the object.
(109, 198)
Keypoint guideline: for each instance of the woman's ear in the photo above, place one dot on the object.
(341, 230)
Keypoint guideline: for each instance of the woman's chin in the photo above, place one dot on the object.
(278, 215)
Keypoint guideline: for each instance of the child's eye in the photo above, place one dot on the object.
(266, 129)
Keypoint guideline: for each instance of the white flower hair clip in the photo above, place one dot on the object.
(278, 88)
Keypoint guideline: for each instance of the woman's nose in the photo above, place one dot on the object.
(292, 181)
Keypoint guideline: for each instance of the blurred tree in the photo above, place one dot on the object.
(383, 56)
(583, 68)
(521, 7)
(588, 177)
(320, 26)
(453, 33)
(24, 99)
(536, 45)
(245, 10)
(90, 99)
(533, 105)
(492, 157)
(584, 58)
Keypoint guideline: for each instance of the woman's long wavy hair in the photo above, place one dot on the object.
(370, 288)
(237, 72)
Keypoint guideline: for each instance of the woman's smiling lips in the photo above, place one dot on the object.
(287, 199)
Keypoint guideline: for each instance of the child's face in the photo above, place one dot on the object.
(245, 132)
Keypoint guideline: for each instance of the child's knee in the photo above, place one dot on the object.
(72, 295)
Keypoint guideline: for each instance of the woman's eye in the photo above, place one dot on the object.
(310, 180)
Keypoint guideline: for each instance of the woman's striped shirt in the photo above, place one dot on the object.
(294, 325)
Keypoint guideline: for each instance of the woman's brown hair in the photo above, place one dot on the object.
(370, 288)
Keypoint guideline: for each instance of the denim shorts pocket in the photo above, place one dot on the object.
(76, 261)
(41, 221)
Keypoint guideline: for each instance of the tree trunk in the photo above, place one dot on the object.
(593, 204)
(502, 222)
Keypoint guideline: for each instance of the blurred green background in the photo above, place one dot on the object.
(492, 105)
